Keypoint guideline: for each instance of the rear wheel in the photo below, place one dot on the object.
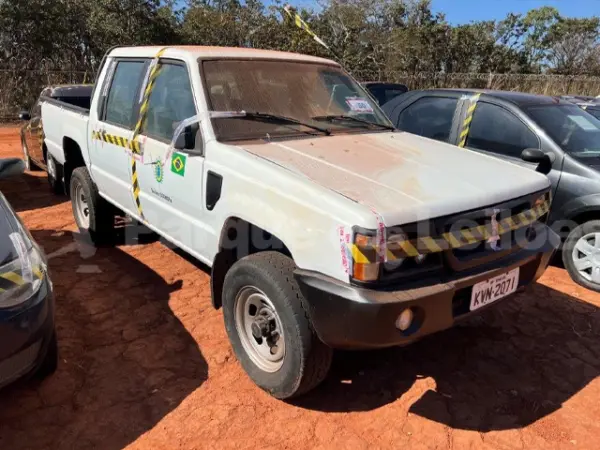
(55, 171)
(581, 255)
(94, 215)
(269, 327)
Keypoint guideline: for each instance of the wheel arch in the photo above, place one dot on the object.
(240, 238)
(73, 158)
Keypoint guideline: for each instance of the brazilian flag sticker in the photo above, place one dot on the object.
(178, 163)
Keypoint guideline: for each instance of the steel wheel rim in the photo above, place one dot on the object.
(82, 210)
(251, 310)
(586, 257)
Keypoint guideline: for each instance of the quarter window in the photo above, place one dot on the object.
(497, 130)
(123, 93)
(430, 117)
(170, 102)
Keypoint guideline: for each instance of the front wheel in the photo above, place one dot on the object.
(269, 327)
(581, 255)
(94, 215)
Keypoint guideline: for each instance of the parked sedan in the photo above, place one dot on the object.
(547, 134)
(590, 104)
(32, 132)
(28, 342)
(384, 92)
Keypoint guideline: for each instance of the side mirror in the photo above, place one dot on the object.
(24, 115)
(11, 166)
(537, 156)
(187, 138)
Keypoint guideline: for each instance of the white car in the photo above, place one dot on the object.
(324, 227)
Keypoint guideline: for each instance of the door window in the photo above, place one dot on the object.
(430, 117)
(170, 102)
(497, 130)
(124, 91)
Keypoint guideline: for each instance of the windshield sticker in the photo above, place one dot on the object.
(583, 122)
(359, 105)
(178, 163)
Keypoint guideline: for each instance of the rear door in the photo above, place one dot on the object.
(171, 180)
(497, 131)
(34, 135)
(111, 128)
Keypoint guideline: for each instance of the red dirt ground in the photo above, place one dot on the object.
(145, 363)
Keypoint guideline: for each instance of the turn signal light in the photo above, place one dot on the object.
(366, 272)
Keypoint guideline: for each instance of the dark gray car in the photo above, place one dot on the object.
(32, 132)
(547, 134)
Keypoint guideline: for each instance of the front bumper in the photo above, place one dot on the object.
(25, 335)
(350, 317)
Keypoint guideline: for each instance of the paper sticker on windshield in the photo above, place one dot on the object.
(583, 123)
(359, 105)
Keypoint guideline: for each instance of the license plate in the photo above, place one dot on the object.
(489, 291)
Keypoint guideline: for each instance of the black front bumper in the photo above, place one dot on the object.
(346, 316)
(25, 335)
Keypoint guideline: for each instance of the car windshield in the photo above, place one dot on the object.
(315, 96)
(576, 131)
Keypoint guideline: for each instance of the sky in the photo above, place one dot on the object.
(465, 11)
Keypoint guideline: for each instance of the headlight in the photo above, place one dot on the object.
(21, 278)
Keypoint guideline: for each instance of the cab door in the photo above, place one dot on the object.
(111, 127)
(171, 180)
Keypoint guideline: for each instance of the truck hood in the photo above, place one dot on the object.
(403, 177)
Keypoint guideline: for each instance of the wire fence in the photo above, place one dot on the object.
(536, 84)
(19, 89)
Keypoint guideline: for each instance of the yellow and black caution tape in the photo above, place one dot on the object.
(119, 141)
(450, 240)
(292, 14)
(140, 125)
(14, 278)
(464, 132)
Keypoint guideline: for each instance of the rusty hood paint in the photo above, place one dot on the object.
(404, 177)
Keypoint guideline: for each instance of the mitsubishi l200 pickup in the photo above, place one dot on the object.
(324, 227)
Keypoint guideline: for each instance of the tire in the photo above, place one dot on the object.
(55, 172)
(576, 261)
(50, 362)
(306, 360)
(99, 222)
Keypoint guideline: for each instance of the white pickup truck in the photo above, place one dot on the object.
(323, 226)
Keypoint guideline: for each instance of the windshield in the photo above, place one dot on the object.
(575, 130)
(314, 94)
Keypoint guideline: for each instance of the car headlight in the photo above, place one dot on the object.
(21, 278)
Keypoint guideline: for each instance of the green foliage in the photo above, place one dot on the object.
(373, 38)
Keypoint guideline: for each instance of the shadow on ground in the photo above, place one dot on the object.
(126, 359)
(30, 191)
(511, 366)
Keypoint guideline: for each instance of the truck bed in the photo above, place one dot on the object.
(64, 123)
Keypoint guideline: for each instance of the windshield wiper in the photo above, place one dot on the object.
(342, 117)
(274, 118)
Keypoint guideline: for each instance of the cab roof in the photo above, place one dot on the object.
(216, 52)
